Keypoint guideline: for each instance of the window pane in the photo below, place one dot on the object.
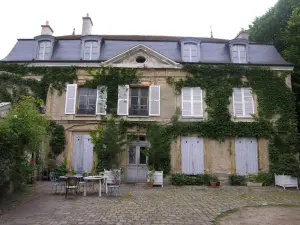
(87, 44)
(144, 92)
(144, 101)
(132, 155)
(94, 44)
(87, 100)
(134, 91)
(143, 157)
(134, 100)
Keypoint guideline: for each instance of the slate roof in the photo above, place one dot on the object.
(212, 50)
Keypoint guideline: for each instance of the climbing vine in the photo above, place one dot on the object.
(15, 77)
(111, 78)
(276, 119)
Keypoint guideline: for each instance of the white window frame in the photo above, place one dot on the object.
(190, 49)
(243, 104)
(239, 52)
(44, 49)
(192, 105)
(90, 52)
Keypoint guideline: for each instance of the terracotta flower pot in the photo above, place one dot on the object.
(150, 185)
(213, 184)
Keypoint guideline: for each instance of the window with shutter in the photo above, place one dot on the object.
(139, 105)
(90, 50)
(190, 52)
(238, 54)
(44, 50)
(70, 102)
(87, 98)
(101, 100)
(192, 102)
(243, 104)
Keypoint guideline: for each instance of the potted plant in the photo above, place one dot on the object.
(150, 178)
(287, 170)
(213, 181)
(253, 181)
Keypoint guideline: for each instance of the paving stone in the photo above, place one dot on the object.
(139, 205)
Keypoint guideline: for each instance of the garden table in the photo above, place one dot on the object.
(93, 178)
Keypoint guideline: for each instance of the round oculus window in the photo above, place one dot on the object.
(140, 59)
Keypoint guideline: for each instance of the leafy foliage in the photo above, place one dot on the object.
(159, 152)
(281, 26)
(275, 102)
(108, 143)
(21, 133)
(112, 77)
(237, 180)
(58, 139)
(14, 81)
(180, 179)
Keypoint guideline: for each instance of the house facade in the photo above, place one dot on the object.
(157, 58)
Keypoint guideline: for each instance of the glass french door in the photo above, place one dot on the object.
(136, 164)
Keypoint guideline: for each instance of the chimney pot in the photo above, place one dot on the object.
(87, 25)
(46, 29)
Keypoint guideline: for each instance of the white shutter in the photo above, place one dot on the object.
(240, 156)
(197, 102)
(123, 99)
(186, 95)
(70, 99)
(237, 102)
(101, 100)
(248, 102)
(154, 101)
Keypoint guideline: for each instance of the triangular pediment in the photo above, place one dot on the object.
(141, 56)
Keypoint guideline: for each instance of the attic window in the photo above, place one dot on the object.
(44, 50)
(140, 59)
(239, 53)
(190, 52)
(90, 50)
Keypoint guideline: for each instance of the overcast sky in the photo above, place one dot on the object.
(23, 18)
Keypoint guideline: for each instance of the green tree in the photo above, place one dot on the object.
(21, 134)
(109, 141)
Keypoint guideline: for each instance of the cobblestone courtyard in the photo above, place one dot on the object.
(139, 205)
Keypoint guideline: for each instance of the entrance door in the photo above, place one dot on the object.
(82, 153)
(246, 157)
(136, 164)
(192, 155)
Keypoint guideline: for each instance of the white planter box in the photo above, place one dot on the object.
(252, 184)
(158, 178)
(286, 181)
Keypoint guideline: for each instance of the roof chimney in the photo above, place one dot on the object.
(46, 29)
(242, 35)
(87, 25)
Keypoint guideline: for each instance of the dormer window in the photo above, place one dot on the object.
(239, 54)
(90, 50)
(190, 50)
(44, 50)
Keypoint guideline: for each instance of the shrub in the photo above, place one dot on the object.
(266, 179)
(184, 179)
(237, 180)
(287, 164)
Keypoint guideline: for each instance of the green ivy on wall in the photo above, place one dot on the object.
(12, 76)
(112, 77)
(276, 118)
